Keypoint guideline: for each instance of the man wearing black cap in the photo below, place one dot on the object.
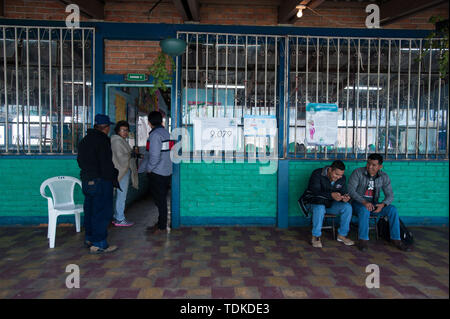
(98, 177)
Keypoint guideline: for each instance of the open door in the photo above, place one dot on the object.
(132, 103)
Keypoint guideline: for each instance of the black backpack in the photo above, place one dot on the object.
(383, 231)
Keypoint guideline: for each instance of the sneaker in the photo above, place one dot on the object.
(345, 240)
(362, 245)
(315, 241)
(123, 223)
(98, 250)
(401, 245)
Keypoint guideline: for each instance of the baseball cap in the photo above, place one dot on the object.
(102, 119)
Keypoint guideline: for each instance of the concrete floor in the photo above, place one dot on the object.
(218, 262)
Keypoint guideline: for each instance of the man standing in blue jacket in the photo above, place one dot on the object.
(98, 177)
(158, 166)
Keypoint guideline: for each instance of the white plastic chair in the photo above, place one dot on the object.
(61, 202)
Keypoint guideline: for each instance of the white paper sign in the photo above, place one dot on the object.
(321, 124)
(215, 134)
(260, 125)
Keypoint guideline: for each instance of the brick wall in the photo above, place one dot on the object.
(227, 190)
(115, 11)
(421, 189)
(129, 56)
(330, 14)
(137, 11)
(238, 14)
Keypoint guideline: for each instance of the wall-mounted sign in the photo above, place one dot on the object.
(215, 134)
(321, 124)
(260, 125)
(136, 77)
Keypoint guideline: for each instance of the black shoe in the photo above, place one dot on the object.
(401, 245)
(152, 229)
(362, 245)
(87, 244)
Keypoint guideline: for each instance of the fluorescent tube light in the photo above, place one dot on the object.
(223, 86)
(370, 88)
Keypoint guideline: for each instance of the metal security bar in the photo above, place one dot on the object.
(46, 88)
(390, 101)
(229, 76)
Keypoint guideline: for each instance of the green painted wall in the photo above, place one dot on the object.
(227, 190)
(421, 189)
(22, 179)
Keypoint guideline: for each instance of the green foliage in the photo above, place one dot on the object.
(161, 70)
(440, 42)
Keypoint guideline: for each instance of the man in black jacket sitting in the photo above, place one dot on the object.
(327, 193)
(98, 177)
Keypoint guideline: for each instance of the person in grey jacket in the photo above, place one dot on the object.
(158, 166)
(364, 187)
(125, 163)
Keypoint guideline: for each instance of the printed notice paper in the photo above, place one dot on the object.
(321, 124)
(215, 134)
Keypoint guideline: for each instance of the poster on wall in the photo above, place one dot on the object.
(121, 108)
(321, 124)
(260, 125)
(219, 134)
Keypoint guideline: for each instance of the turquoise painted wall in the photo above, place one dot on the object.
(20, 198)
(226, 191)
(421, 189)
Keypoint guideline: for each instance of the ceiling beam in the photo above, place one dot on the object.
(287, 11)
(394, 10)
(2, 8)
(194, 7)
(182, 9)
(94, 9)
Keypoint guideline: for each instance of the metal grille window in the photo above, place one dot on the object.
(229, 75)
(46, 77)
(389, 101)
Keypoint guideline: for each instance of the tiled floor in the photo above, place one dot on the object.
(218, 262)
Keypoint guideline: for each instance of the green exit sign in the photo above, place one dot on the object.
(135, 77)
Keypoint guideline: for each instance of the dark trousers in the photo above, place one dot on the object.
(159, 187)
(98, 210)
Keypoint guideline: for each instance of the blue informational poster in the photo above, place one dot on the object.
(321, 124)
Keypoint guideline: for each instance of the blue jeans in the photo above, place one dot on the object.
(121, 197)
(98, 210)
(363, 220)
(337, 208)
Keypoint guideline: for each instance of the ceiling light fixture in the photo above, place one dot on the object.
(300, 10)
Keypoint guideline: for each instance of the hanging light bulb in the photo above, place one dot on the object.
(300, 10)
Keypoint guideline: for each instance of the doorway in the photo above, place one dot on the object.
(133, 103)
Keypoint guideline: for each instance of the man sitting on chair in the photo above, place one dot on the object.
(364, 186)
(327, 193)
